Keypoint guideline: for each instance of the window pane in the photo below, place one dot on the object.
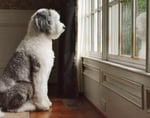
(100, 32)
(113, 29)
(100, 3)
(94, 26)
(89, 25)
(95, 4)
(126, 27)
(141, 28)
(95, 33)
(100, 26)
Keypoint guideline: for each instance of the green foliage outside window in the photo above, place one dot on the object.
(127, 24)
(142, 5)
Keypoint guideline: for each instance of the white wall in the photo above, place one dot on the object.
(118, 91)
(13, 25)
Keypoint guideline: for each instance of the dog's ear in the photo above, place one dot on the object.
(41, 21)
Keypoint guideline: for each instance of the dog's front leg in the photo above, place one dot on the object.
(40, 75)
(40, 97)
(39, 83)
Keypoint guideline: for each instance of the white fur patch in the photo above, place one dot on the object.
(1, 114)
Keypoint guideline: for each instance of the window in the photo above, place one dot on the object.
(127, 31)
(124, 36)
(93, 27)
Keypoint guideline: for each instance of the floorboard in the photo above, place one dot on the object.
(69, 108)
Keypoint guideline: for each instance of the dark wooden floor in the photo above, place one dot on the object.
(69, 108)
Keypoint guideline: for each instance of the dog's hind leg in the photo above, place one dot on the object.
(16, 96)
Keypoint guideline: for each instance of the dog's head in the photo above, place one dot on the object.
(48, 21)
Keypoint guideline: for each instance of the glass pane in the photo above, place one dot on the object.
(89, 33)
(113, 30)
(95, 38)
(100, 3)
(95, 4)
(111, 0)
(100, 27)
(100, 32)
(89, 8)
(94, 43)
(141, 28)
(126, 27)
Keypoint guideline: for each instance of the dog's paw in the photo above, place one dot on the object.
(43, 107)
(49, 102)
(28, 106)
(2, 114)
(11, 110)
(42, 104)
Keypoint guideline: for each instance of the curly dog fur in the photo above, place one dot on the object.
(23, 84)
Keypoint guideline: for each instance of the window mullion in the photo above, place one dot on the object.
(119, 29)
(89, 25)
(92, 26)
(148, 38)
(133, 29)
(99, 26)
(105, 30)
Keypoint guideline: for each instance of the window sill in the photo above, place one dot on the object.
(128, 61)
(124, 67)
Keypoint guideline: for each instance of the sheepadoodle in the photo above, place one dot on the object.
(23, 84)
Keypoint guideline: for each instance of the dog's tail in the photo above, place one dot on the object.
(1, 114)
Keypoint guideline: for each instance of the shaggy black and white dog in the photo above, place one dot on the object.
(23, 84)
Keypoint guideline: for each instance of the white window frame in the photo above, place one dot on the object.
(84, 38)
(127, 60)
(148, 38)
(90, 17)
